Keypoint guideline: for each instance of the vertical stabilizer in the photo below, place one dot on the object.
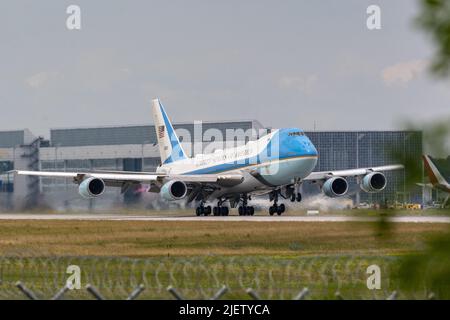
(433, 172)
(170, 148)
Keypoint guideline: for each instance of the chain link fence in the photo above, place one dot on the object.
(200, 278)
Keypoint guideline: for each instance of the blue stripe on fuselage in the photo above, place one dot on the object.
(283, 145)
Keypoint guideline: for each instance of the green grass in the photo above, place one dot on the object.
(276, 259)
(193, 238)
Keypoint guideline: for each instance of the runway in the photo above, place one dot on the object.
(105, 217)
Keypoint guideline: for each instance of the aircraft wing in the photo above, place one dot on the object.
(138, 177)
(324, 175)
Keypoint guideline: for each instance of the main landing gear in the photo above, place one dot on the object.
(203, 210)
(218, 210)
(244, 209)
(279, 209)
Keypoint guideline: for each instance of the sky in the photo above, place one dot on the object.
(307, 64)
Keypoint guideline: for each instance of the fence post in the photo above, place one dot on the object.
(60, 293)
(302, 294)
(27, 292)
(252, 293)
(92, 290)
(220, 293)
(393, 296)
(136, 292)
(338, 296)
(175, 293)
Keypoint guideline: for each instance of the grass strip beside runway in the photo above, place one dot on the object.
(193, 238)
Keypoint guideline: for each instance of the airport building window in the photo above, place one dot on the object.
(6, 166)
(6, 179)
(150, 164)
(344, 150)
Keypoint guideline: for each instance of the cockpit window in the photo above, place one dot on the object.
(296, 134)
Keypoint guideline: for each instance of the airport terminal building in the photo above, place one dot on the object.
(134, 148)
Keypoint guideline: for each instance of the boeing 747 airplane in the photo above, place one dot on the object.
(274, 165)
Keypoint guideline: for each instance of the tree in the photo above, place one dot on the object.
(434, 18)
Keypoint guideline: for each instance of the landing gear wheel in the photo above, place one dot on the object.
(272, 210)
(224, 211)
(201, 210)
(246, 211)
(299, 197)
(280, 209)
(279, 212)
(293, 197)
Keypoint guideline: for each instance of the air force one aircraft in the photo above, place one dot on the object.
(274, 165)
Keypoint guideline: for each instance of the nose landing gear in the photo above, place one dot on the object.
(296, 197)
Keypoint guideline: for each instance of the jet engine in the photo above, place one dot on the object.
(373, 182)
(91, 188)
(174, 190)
(335, 187)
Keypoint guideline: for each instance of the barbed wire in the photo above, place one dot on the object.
(200, 277)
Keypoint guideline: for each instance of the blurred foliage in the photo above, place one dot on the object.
(436, 137)
(436, 142)
(435, 19)
(429, 269)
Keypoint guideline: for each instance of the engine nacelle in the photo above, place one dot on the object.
(91, 188)
(373, 182)
(335, 187)
(174, 190)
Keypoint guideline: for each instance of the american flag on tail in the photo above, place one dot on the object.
(161, 130)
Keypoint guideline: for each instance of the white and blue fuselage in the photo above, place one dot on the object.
(280, 158)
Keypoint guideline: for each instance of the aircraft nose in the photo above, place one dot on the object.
(310, 149)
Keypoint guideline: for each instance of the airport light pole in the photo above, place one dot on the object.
(359, 136)
(142, 153)
(405, 138)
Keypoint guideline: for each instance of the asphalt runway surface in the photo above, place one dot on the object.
(105, 217)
